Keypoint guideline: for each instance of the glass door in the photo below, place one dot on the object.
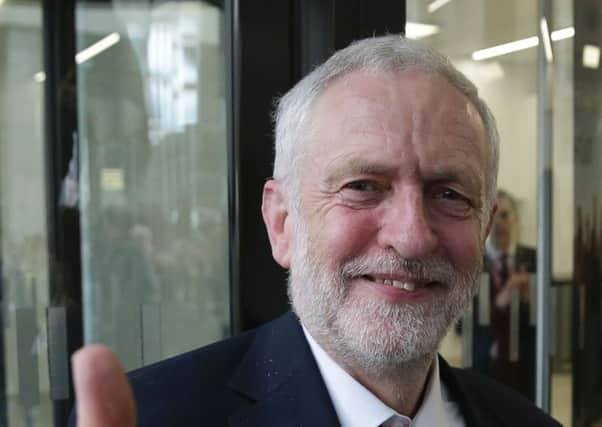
(143, 172)
(520, 58)
(26, 395)
(153, 187)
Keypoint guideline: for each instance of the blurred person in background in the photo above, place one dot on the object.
(504, 346)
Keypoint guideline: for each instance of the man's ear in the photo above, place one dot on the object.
(490, 222)
(276, 218)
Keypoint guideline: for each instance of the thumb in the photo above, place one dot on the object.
(104, 396)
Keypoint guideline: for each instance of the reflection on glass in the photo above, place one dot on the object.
(154, 177)
(495, 45)
(504, 332)
(24, 374)
(587, 339)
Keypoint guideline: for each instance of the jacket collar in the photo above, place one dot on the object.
(280, 376)
(474, 414)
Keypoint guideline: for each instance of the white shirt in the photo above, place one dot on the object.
(494, 253)
(356, 406)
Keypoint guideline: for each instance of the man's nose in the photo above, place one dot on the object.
(407, 226)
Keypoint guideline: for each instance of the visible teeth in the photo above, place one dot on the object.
(406, 286)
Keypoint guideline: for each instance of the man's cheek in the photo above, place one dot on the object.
(466, 251)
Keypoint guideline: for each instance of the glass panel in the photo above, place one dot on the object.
(151, 102)
(587, 338)
(24, 374)
(495, 341)
(501, 325)
(561, 310)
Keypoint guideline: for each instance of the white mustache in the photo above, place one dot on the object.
(431, 269)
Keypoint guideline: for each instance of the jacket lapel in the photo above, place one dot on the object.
(474, 415)
(279, 374)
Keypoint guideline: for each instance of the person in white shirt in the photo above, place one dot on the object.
(382, 197)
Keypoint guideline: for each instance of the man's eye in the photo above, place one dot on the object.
(362, 192)
(451, 195)
(452, 202)
(362, 186)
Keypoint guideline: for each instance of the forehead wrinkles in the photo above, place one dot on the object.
(449, 127)
(372, 103)
(342, 110)
(453, 118)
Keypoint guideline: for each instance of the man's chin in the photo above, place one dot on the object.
(380, 344)
(385, 361)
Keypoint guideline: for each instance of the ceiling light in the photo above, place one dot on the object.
(522, 44)
(562, 34)
(545, 36)
(93, 50)
(591, 56)
(437, 4)
(84, 55)
(416, 30)
(505, 48)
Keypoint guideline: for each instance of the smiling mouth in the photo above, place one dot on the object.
(405, 285)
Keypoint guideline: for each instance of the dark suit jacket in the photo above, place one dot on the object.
(268, 377)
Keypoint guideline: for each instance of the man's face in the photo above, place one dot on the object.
(388, 238)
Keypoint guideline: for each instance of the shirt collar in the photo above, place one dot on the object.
(357, 406)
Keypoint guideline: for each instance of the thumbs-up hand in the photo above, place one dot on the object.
(104, 396)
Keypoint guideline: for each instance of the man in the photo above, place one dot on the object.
(504, 344)
(382, 197)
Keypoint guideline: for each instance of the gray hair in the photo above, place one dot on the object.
(391, 53)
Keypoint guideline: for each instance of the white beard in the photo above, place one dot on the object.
(367, 333)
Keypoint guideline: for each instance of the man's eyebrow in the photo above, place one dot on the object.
(358, 166)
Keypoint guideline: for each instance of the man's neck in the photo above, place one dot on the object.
(402, 388)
